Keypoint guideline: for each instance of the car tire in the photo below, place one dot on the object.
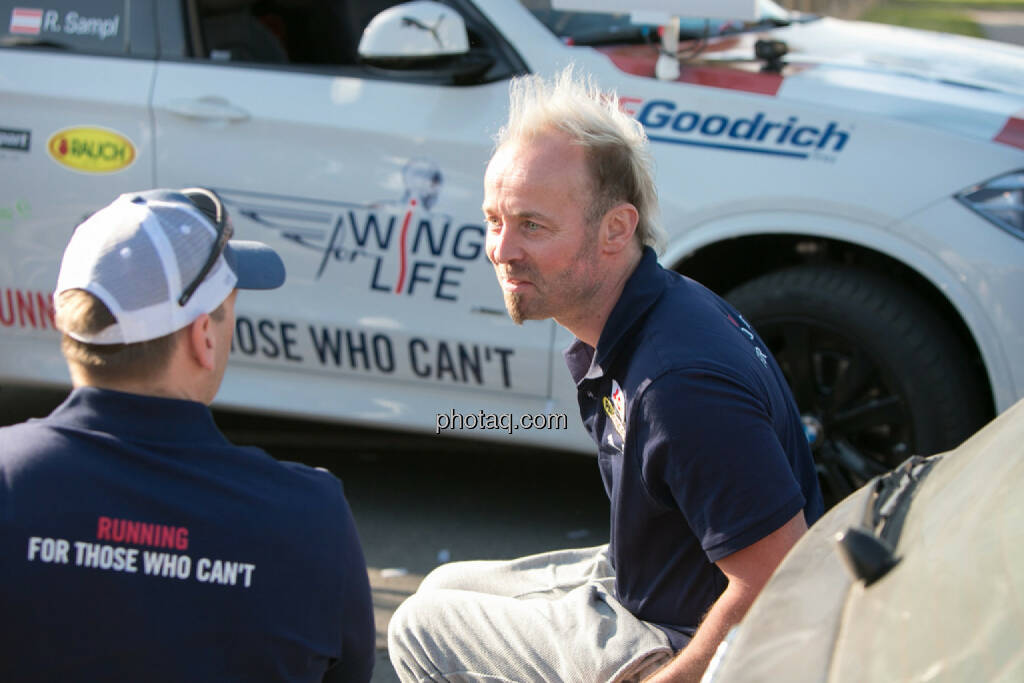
(876, 373)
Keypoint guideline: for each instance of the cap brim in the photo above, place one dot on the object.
(256, 265)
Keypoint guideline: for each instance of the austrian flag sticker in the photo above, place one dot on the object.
(26, 21)
(618, 400)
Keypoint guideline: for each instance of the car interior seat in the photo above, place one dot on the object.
(232, 32)
(331, 29)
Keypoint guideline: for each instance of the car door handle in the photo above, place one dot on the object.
(207, 109)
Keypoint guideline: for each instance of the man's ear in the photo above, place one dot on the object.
(618, 227)
(202, 341)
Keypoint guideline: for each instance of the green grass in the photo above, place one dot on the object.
(966, 4)
(929, 18)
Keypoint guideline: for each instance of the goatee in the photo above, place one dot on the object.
(514, 306)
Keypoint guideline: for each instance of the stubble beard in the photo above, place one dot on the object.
(576, 293)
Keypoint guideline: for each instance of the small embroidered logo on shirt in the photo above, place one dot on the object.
(613, 415)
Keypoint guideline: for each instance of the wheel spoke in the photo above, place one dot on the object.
(795, 357)
(835, 485)
(853, 378)
(862, 466)
(827, 365)
(874, 413)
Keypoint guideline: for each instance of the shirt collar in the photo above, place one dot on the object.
(642, 289)
(138, 417)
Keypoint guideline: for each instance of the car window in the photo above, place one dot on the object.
(324, 35)
(307, 32)
(86, 26)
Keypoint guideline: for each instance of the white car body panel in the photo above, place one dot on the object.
(726, 9)
(36, 102)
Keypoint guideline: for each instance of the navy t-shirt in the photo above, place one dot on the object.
(138, 544)
(701, 447)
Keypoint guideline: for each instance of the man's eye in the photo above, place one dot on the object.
(493, 223)
(530, 226)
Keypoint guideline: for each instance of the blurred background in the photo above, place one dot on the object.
(994, 19)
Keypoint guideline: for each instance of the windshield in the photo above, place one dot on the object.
(590, 28)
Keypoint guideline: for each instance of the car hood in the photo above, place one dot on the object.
(926, 55)
(963, 85)
(949, 610)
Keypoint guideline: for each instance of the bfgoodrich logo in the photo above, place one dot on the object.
(18, 140)
(756, 133)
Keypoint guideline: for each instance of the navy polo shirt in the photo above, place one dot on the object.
(138, 544)
(700, 445)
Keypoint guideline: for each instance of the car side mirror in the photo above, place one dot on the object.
(414, 35)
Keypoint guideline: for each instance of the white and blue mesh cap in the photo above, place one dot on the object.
(138, 254)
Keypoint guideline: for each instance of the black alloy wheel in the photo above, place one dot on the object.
(877, 376)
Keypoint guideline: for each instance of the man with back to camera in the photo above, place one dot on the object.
(137, 543)
(701, 448)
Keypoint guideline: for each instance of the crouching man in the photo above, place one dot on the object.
(700, 444)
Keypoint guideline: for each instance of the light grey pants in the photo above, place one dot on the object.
(546, 617)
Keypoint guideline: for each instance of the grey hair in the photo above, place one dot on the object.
(616, 146)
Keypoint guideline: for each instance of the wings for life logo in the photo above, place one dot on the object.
(400, 247)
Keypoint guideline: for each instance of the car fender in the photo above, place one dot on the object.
(870, 235)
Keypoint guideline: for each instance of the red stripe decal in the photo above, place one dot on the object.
(732, 79)
(1012, 133)
(640, 61)
(401, 246)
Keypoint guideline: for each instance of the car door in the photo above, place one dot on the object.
(369, 183)
(75, 132)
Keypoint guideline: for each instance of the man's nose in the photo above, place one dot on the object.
(502, 246)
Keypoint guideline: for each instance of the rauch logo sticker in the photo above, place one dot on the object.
(91, 150)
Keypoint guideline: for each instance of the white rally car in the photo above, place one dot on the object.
(855, 189)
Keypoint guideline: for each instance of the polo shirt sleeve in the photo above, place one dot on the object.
(709, 448)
